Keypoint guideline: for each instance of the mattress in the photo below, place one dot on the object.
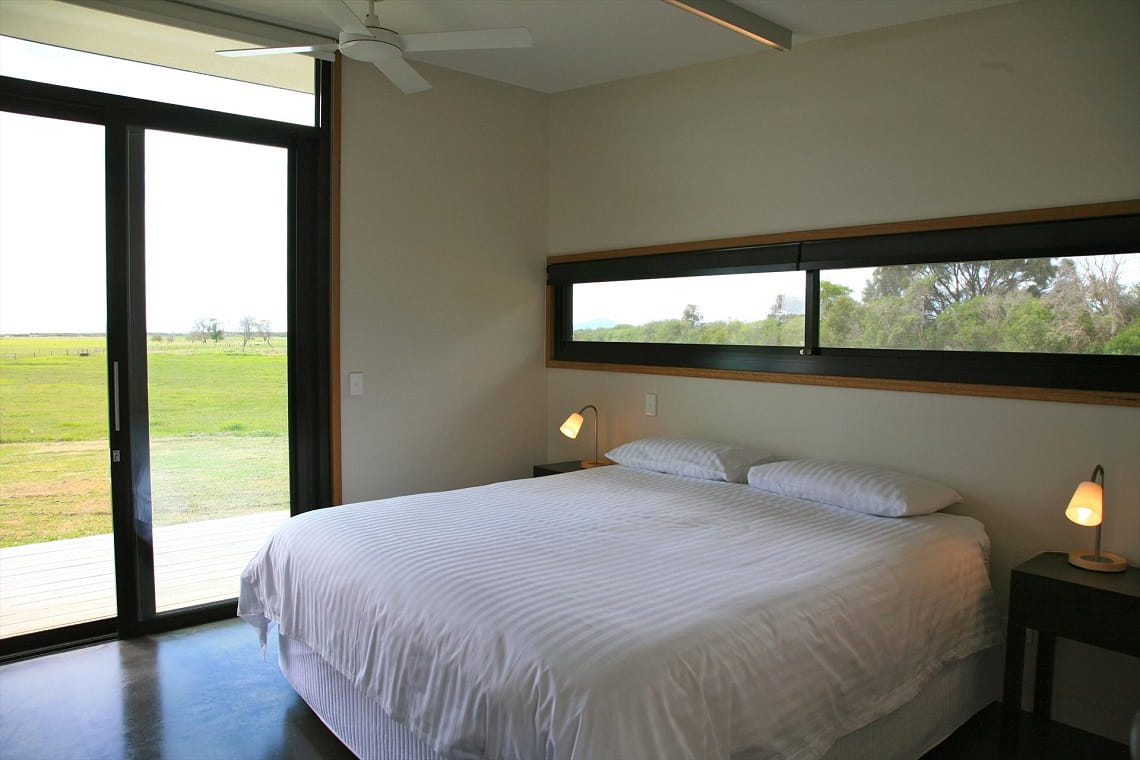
(621, 613)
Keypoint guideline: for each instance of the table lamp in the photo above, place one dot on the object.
(1087, 508)
(573, 425)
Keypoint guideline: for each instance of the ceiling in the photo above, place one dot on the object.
(585, 42)
(577, 43)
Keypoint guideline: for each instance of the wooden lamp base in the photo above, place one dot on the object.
(1105, 562)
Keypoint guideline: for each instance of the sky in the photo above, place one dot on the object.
(215, 209)
(744, 297)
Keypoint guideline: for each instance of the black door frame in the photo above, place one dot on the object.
(125, 121)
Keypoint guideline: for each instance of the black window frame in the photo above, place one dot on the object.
(1099, 235)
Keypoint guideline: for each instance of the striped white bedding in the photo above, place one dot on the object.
(617, 613)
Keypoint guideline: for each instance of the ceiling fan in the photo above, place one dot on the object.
(384, 48)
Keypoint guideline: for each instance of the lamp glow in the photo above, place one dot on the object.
(1087, 508)
(573, 425)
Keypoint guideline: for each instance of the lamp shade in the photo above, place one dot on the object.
(572, 425)
(1087, 505)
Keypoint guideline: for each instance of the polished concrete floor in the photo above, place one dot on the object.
(205, 693)
(201, 693)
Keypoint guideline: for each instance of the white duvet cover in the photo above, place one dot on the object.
(617, 614)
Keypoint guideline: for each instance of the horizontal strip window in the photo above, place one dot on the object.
(1043, 304)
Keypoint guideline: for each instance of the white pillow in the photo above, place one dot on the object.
(707, 460)
(862, 488)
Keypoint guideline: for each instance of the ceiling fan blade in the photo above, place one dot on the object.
(340, 13)
(403, 75)
(475, 39)
(325, 51)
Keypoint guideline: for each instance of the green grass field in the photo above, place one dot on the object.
(219, 433)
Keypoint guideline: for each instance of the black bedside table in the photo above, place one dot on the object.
(557, 468)
(1051, 596)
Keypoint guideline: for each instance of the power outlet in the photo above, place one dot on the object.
(650, 404)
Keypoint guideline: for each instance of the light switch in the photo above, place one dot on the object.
(356, 383)
(650, 404)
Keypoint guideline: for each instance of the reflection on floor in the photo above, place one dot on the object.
(197, 694)
(205, 693)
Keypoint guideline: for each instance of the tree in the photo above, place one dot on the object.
(1127, 341)
(958, 282)
(839, 315)
(973, 325)
(962, 281)
(888, 282)
(896, 321)
(201, 330)
(248, 326)
(692, 315)
(207, 328)
(1031, 326)
(265, 332)
(1113, 304)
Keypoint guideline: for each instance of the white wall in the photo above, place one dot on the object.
(1029, 105)
(443, 206)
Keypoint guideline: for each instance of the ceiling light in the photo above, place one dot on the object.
(738, 20)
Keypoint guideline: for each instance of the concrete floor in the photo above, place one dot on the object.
(202, 693)
(205, 693)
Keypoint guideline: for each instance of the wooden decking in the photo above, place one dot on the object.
(73, 581)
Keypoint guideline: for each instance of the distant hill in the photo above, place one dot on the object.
(595, 324)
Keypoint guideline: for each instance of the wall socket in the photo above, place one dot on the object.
(650, 404)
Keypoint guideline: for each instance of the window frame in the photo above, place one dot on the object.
(1095, 229)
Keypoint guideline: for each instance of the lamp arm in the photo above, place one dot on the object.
(1098, 471)
(581, 411)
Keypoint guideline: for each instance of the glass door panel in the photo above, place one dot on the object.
(57, 563)
(218, 396)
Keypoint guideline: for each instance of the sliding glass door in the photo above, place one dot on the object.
(216, 262)
(57, 565)
(163, 357)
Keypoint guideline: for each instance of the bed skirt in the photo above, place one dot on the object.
(945, 702)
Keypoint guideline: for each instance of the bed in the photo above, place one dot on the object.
(619, 613)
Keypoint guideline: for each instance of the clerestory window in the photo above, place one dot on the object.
(1053, 304)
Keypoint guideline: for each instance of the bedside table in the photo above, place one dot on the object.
(1051, 596)
(557, 468)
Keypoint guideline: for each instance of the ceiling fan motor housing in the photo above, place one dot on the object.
(382, 45)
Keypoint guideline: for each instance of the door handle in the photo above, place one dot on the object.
(115, 392)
